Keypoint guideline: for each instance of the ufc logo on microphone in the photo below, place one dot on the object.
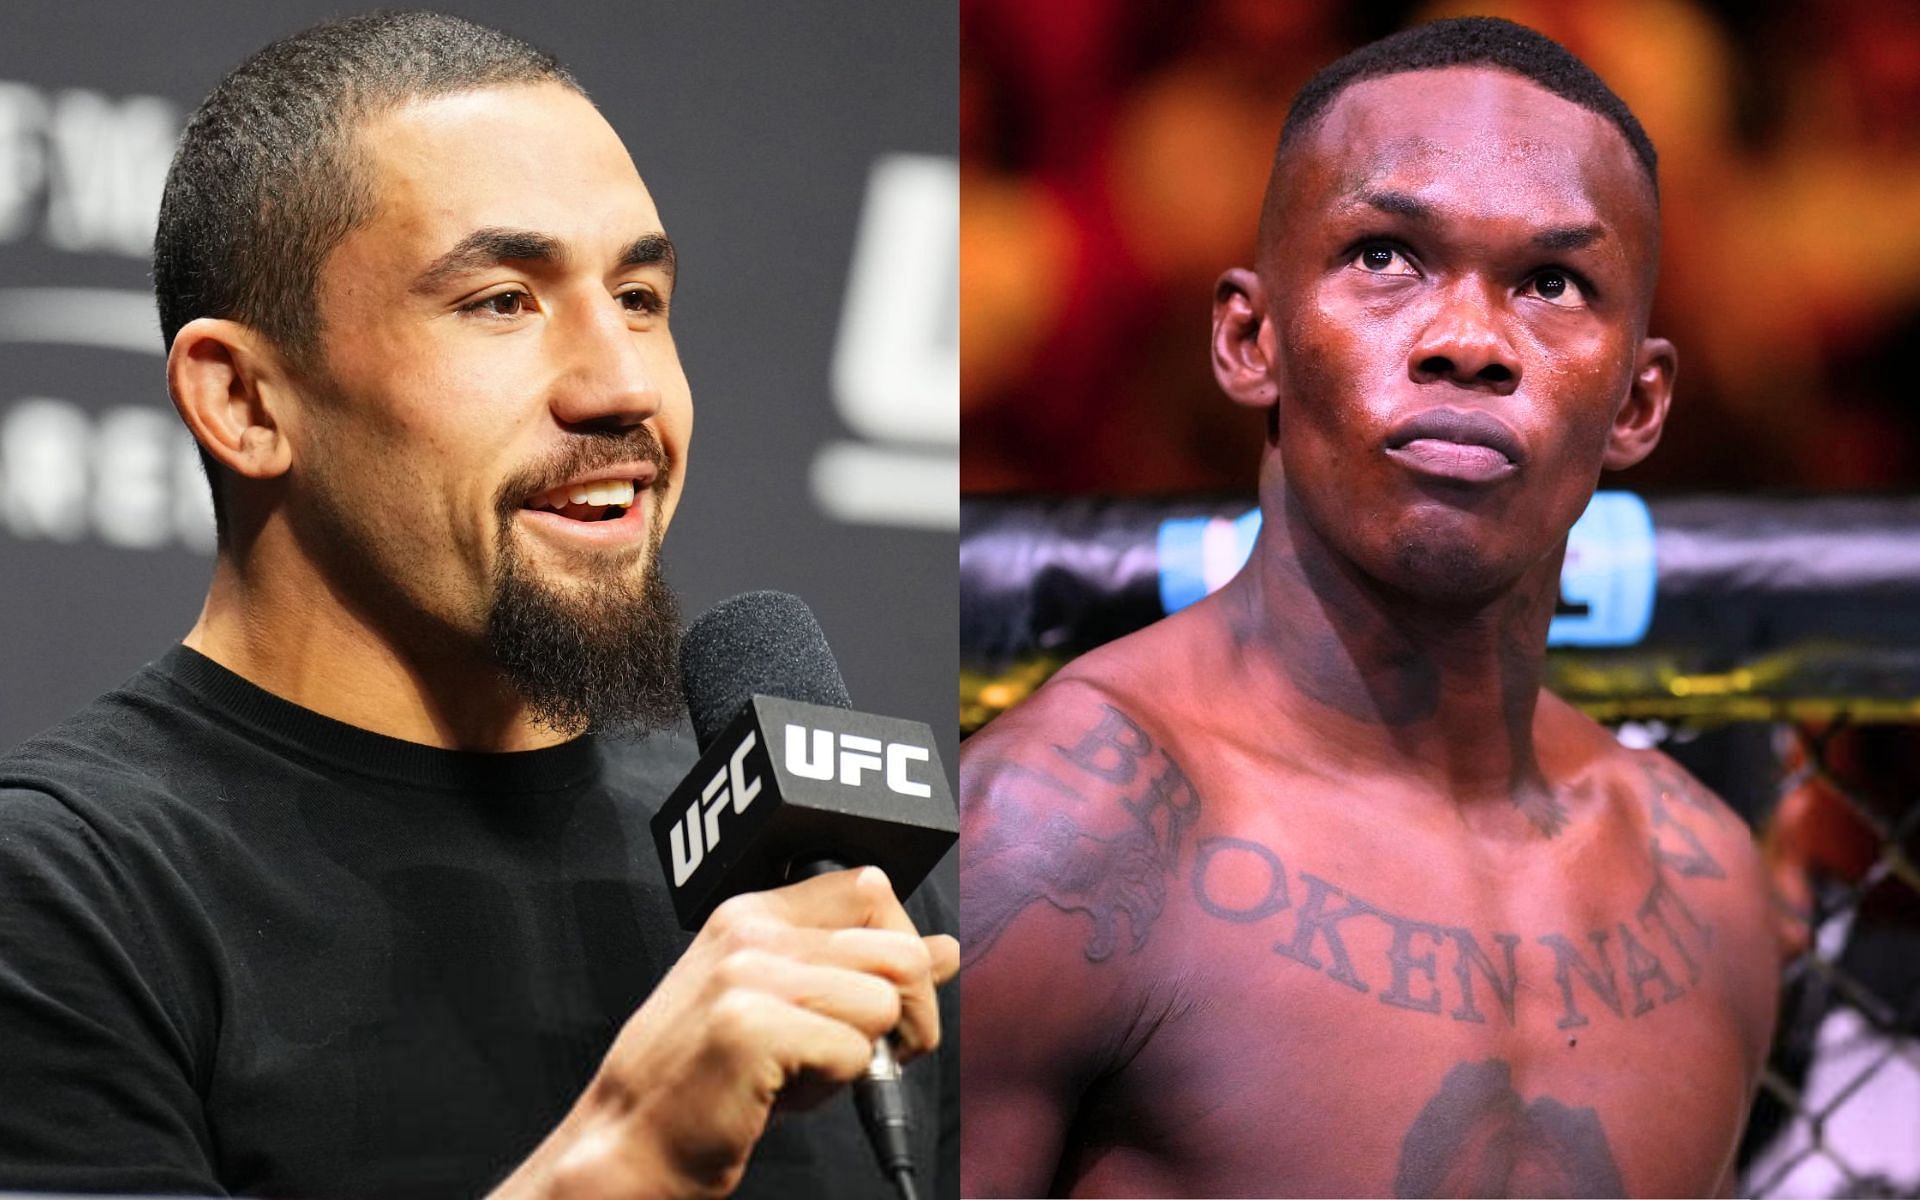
(812, 757)
(729, 783)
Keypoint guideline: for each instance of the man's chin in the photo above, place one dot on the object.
(1450, 565)
(1442, 554)
(1446, 578)
(591, 649)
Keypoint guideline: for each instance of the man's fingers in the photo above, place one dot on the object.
(943, 952)
(910, 963)
(884, 910)
(748, 1025)
(869, 1003)
(837, 900)
(919, 1030)
(901, 968)
(848, 920)
(903, 958)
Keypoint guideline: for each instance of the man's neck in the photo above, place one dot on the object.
(305, 643)
(1439, 697)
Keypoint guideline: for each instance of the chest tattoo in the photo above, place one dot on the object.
(1477, 1137)
(1650, 957)
(1065, 850)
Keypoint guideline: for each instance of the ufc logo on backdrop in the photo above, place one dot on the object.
(812, 757)
(730, 783)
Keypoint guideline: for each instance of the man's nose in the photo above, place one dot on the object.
(606, 378)
(1464, 343)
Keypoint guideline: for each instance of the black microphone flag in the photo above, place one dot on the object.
(789, 775)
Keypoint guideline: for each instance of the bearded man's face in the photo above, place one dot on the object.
(493, 446)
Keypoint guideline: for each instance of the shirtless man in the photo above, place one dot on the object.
(1310, 889)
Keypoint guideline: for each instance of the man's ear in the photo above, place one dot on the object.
(228, 384)
(1637, 425)
(1243, 341)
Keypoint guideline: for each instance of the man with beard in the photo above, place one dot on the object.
(338, 897)
(1309, 889)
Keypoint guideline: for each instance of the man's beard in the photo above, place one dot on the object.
(602, 658)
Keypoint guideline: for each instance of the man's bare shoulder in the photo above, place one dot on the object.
(1701, 846)
(1696, 833)
(1575, 745)
(1063, 702)
(1071, 801)
(1663, 794)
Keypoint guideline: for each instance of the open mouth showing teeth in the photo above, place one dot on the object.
(607, 500)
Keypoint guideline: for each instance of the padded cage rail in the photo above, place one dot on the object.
(1695, 608)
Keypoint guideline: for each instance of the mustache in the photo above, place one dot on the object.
(580, 454)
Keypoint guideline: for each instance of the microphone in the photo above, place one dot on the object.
(791, 783)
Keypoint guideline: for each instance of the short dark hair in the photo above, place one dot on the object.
(1469, 42)
(268, 179)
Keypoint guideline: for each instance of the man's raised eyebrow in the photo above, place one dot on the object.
(484, 248)
(651, 250)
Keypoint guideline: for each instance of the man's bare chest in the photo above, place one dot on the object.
(1427, 1063)
(1347, 1018)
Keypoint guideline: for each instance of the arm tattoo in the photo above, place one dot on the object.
(1031, 853)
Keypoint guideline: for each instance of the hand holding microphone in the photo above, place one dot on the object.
(790, 989)
(778, 999)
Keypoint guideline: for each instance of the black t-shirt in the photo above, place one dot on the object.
(248, 949)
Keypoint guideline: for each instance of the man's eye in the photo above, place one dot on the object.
(1557, 287)
(643, 300)
(1383, 260)
(501, 304)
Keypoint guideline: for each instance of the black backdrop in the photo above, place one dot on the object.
(764, 131)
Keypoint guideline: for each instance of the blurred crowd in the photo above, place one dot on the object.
(1114, 153)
